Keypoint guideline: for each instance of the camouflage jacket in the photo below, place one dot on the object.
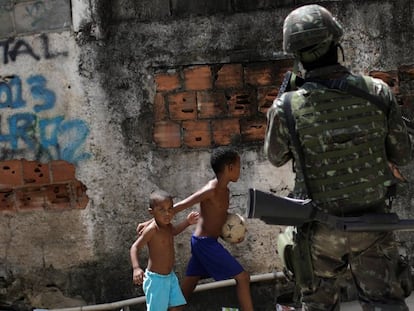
(346, 140)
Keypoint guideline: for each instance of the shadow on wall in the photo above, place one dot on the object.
(31, 185)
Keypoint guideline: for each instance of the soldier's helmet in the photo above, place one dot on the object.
(309, 31)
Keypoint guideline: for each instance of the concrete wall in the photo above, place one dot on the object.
(130, 97)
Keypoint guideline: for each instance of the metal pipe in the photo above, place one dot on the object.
(141, 299)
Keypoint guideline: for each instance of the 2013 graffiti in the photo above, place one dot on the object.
(50, 138)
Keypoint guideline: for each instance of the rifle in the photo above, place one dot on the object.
(285, 211)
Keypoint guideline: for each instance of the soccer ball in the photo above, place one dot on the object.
(234, 229)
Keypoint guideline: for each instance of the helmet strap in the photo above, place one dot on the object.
(329, 58)
(342, 52)
(296, 65)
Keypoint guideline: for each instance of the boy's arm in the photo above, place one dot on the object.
(191, 219)
(140, 242)
(198, 196)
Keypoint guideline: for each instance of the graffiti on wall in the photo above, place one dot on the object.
(24, 129)
(33, 16)
(11, 49)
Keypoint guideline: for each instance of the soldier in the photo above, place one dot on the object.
(347, 133)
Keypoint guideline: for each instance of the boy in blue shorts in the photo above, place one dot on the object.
(160, 284)
(209, 257)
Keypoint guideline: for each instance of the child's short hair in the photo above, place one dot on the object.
(158, 196)
(222, 156)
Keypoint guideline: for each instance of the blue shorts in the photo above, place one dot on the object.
(162, 291)
(210, 259)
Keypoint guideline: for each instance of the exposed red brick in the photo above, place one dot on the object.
(67, 195)
(281, 67)
(197, 134)
(58, 196)
(167, 81)
(30, 198)
(182, 106)
(389, 77)
(198, 78)
(407, 100)
(11, 173)
(61, 171)
(36, 192)
(160, 110)
(253, 130)
(167, 134)
(406, 72)
(225, 131)
(7, 200)
(242, 103)
(262, 74)
(82, 199)
(229, 76)
(222, 95)
(211, 104)
(265, 98)
(35, 172)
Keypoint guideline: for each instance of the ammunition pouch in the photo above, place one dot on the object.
(295, 252)
(302, 260)
(404, 275)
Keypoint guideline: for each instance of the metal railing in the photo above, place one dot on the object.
(124, 304)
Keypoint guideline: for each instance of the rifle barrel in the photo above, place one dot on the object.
(402, 225)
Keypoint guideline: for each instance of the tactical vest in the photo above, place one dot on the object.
(343, 140)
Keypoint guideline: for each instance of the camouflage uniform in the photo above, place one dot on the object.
(347, 143)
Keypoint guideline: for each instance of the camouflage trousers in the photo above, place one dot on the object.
(375, 265)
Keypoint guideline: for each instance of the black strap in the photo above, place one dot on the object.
(344, 86)
(291, 124)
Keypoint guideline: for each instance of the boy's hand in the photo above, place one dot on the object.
(141, 226)
(192, 218)
(138, 276)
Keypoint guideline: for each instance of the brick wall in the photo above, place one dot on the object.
(401, 81)
(209, 105)
(194, 107)
(31, 185)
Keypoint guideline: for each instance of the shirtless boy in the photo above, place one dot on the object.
(160, 283)
(209, 257)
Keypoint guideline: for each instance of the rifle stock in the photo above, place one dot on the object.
(277, 210)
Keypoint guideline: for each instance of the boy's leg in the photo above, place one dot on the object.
(156, 291)
(188, 285)
(243, 291)
(177, 300)
(218, 263)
